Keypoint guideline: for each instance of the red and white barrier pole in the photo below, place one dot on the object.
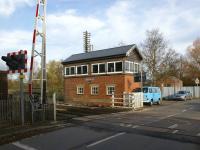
(33, 47)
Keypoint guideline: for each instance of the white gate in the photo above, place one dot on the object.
(128, 100)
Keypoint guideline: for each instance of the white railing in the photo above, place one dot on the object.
(128, 100)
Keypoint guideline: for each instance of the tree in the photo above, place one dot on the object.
(158, 58)
(193, 53)
(192, 63)
(54, 77)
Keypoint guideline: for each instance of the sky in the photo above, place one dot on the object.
(110, 22)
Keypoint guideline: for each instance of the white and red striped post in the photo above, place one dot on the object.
(42, 53)
(33, 48)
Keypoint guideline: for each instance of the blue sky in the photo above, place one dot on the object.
(109, 21)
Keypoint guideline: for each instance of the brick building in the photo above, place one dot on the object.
(3, 85)
(91, 77)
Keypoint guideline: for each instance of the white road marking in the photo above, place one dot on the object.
(198, 134)
(170, 116)
(128, 125)
(173, 126)
(23, 146)
(135, 126)
(106, 139)
(184, 110)
(175, 131)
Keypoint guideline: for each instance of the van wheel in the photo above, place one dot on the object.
(151, 103)
(159, 102)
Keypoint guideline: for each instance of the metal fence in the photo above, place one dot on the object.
(10, 111)
(128, 100)
(170, 91)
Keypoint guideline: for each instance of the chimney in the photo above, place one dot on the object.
(86, 42)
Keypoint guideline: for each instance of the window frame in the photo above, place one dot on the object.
(70, 71)
(91, 89)
(77, 89)
(74, 70)
(137, 68)
(81, 70)
(65, 71)
(115, 67)
(129, 67)
(98, 68)
(108, 86)
(77, 70)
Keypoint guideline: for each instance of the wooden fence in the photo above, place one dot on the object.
(10, 111)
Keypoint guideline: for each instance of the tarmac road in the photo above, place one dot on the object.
(173, 125)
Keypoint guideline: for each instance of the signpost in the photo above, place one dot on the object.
(21, 76)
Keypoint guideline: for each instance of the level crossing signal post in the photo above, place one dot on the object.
(39, 50)
(17, 63)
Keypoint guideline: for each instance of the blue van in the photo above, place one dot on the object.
(152, 95)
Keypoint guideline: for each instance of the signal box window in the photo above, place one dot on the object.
(102, 68)
(79, 70)
(111, 67)
(110, 90)
(85, 70)
(94, 90)
(95, 68)
(72, 70)
(118, 66)
(80, 90)
(67, 71)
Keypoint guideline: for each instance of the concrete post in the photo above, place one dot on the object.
(54, 106)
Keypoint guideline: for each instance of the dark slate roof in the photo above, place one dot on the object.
(105, 53)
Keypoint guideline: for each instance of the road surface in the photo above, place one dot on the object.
(172, 125)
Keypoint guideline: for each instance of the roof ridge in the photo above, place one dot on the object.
(119, 50)
(104, 49)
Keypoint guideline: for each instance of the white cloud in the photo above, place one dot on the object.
(12, 41)
(64, 32)
(7, 7)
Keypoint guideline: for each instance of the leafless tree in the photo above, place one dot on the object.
(158, 58)
(193, 53)
(192, 63)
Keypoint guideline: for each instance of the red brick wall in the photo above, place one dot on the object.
(122, 83)
(130, 84)
(101, 80)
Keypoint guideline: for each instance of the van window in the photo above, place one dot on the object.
(145, 90)
(154, 90)
(150, 90)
